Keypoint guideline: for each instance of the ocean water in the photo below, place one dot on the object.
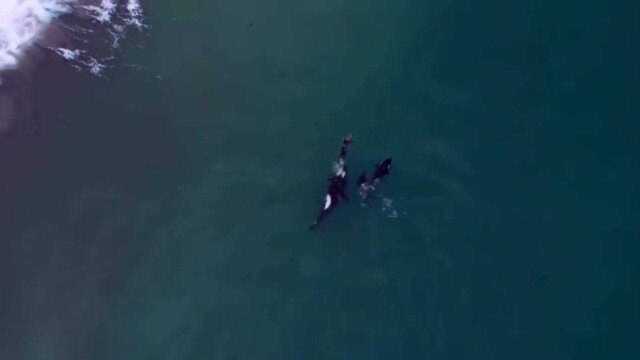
(160, 208)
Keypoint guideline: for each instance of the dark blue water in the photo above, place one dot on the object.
(162, 212)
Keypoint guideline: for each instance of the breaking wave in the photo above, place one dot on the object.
(82, 32)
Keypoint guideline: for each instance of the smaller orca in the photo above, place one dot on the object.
(366, 185)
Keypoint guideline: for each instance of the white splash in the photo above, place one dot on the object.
(23, 22)
(80, 59)
(135, 14)
(68, 53)
(103, 12)
(94, 66)
(389, 209)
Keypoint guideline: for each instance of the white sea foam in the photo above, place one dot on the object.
(81, 60)
(102, 12)
(135, 13)
(23, 22)
(67, 53)
(95, 67)
(389, 209)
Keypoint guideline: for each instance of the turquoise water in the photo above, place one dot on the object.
(162, 212)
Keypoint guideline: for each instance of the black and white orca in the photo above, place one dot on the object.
(336, 191)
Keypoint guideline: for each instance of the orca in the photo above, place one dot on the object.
(366, 185)
(336, 191)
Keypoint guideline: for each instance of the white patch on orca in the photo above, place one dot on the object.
(327, 202)
(338, 168)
